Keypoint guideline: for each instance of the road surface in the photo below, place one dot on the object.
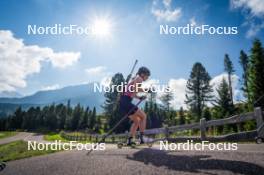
(247, 160)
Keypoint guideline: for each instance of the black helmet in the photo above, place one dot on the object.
(143, 70)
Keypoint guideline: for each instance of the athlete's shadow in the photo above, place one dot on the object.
(194, 163)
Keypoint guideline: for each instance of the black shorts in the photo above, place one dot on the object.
(126, 105)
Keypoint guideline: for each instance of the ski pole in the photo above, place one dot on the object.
(114, 127)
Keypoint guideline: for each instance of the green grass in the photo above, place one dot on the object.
(5, 134)
(53, 137)
(18, 150)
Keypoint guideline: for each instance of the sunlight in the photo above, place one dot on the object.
(101, 28)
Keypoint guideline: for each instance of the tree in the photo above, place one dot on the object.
(166, 99)
(199, 90)
(153, 111)
(229, 70)
(181, 116)
(93, 119)
(77, 114)
(18, 118)
(83, 124)
(256, 74)
(223, 101)
(244, 62)
(111, 104)
(207, 114)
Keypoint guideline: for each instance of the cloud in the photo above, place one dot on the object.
(237, 93)
(193, 21)
(253, 10)
(95, 71)
(52, 87)
(167, 13)
(256, 7)
(18, 61)
(178, 87)
(99, 73)
(254, 29)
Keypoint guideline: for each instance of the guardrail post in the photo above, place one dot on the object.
(203, 128)
(258, 116)
(167, 133)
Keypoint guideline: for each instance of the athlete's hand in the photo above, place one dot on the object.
(142, 98)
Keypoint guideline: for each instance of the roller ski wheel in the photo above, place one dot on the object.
(259, 140)
(132, 145)
(2, 166)
(120, 145)
(149, 145)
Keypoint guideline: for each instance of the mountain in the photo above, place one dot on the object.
(8, 94)
(82, 94)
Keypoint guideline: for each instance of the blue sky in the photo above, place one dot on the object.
(134, 35)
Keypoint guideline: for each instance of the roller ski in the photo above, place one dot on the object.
(144, 141)
(2, 166)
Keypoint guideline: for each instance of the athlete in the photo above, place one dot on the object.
(127, 107)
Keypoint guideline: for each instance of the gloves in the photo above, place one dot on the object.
(142, 98)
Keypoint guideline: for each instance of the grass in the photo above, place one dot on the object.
(18, 150)
(52, 136)
(5, 134)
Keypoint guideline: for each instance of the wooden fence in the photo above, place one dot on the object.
(168, 132)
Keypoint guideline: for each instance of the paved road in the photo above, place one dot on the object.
(248, 160)
(19, 136)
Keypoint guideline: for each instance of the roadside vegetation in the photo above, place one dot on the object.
(5, 134)
(18, 150)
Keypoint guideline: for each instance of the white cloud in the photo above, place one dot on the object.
(99, 73)
(18, 61)
(237, 93)
(252, 10)
(193, 21)
(167, 13)
(254, 29)
(256, 7)
(52, 87)
(95, 71)
(178, 87)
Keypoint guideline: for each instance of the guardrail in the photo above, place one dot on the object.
(202, 125)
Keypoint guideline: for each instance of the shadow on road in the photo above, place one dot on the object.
(194, 163)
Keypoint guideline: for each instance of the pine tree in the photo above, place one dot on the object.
(111, 106)
(244, 62)
(256, 74)
(181, 116)
(166, 99)
(84, 120)
(229, 68)
(207, 114)
(199, 90)
(77, 115)
(93, 119)
(17, 118)
(223, 101)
